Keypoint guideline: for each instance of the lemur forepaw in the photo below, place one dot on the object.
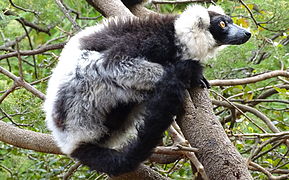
(204, 83)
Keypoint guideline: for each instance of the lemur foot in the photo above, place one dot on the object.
(190, 72)
(204, 83)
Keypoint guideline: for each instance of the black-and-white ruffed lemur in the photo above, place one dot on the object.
(119, 84)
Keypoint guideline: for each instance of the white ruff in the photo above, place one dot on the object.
(193, 34)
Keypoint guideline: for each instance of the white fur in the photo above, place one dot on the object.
(63, 73)
(216, 9)
(193, 34)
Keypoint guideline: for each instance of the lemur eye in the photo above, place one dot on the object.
(222, 24)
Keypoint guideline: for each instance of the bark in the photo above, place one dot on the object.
(40, 142)
(202, 129)
(27, 139)
(110, 8)
(142, 173)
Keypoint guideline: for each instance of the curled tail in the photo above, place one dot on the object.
(161, 107)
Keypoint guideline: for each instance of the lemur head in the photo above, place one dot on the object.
(202, 31)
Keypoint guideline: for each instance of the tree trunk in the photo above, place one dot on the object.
(202, 129)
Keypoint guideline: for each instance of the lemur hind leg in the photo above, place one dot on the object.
(166, 102)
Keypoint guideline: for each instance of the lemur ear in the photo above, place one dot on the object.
(216, 9)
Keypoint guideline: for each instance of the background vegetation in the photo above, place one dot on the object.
(268, 50)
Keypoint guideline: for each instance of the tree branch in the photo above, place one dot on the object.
(178, 1)
(27, 23)
(27, 139)
(110, 8)
(35, 51)
(202, 129)
(21, 82)
(233, 82)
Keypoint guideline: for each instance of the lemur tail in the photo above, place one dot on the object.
(159, 115)
(161, 108)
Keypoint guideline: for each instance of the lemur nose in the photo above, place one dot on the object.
(248, 34)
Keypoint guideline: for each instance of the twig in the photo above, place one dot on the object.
(19, 62)
(189, 149)
(15, 114)
(31, 47)
(20, 82)
(12, 43)
(8, 92)
(7, 169)
(177, 1)
(236, 107)
(23, 9)
(233, 82)
(78, 15)
(263, 144)
(266, 135)
(172, 150)
(35, 51)
(66, 13)
(254, 111)
(200, 168)
(268, 150)
(255, 21)
(71, 170)
(11, 120)
(277, 171)
(27, 23)
(260, 100)
(179, 138)
(267, 173)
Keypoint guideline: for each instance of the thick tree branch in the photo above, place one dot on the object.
(202, 129)
(110, 8)
(27, 139)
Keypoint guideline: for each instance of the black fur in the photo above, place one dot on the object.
(162, 105)
(130, 3)
(226, 35)
(152, 38)
(118, 81)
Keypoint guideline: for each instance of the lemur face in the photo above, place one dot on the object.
(225, 32)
